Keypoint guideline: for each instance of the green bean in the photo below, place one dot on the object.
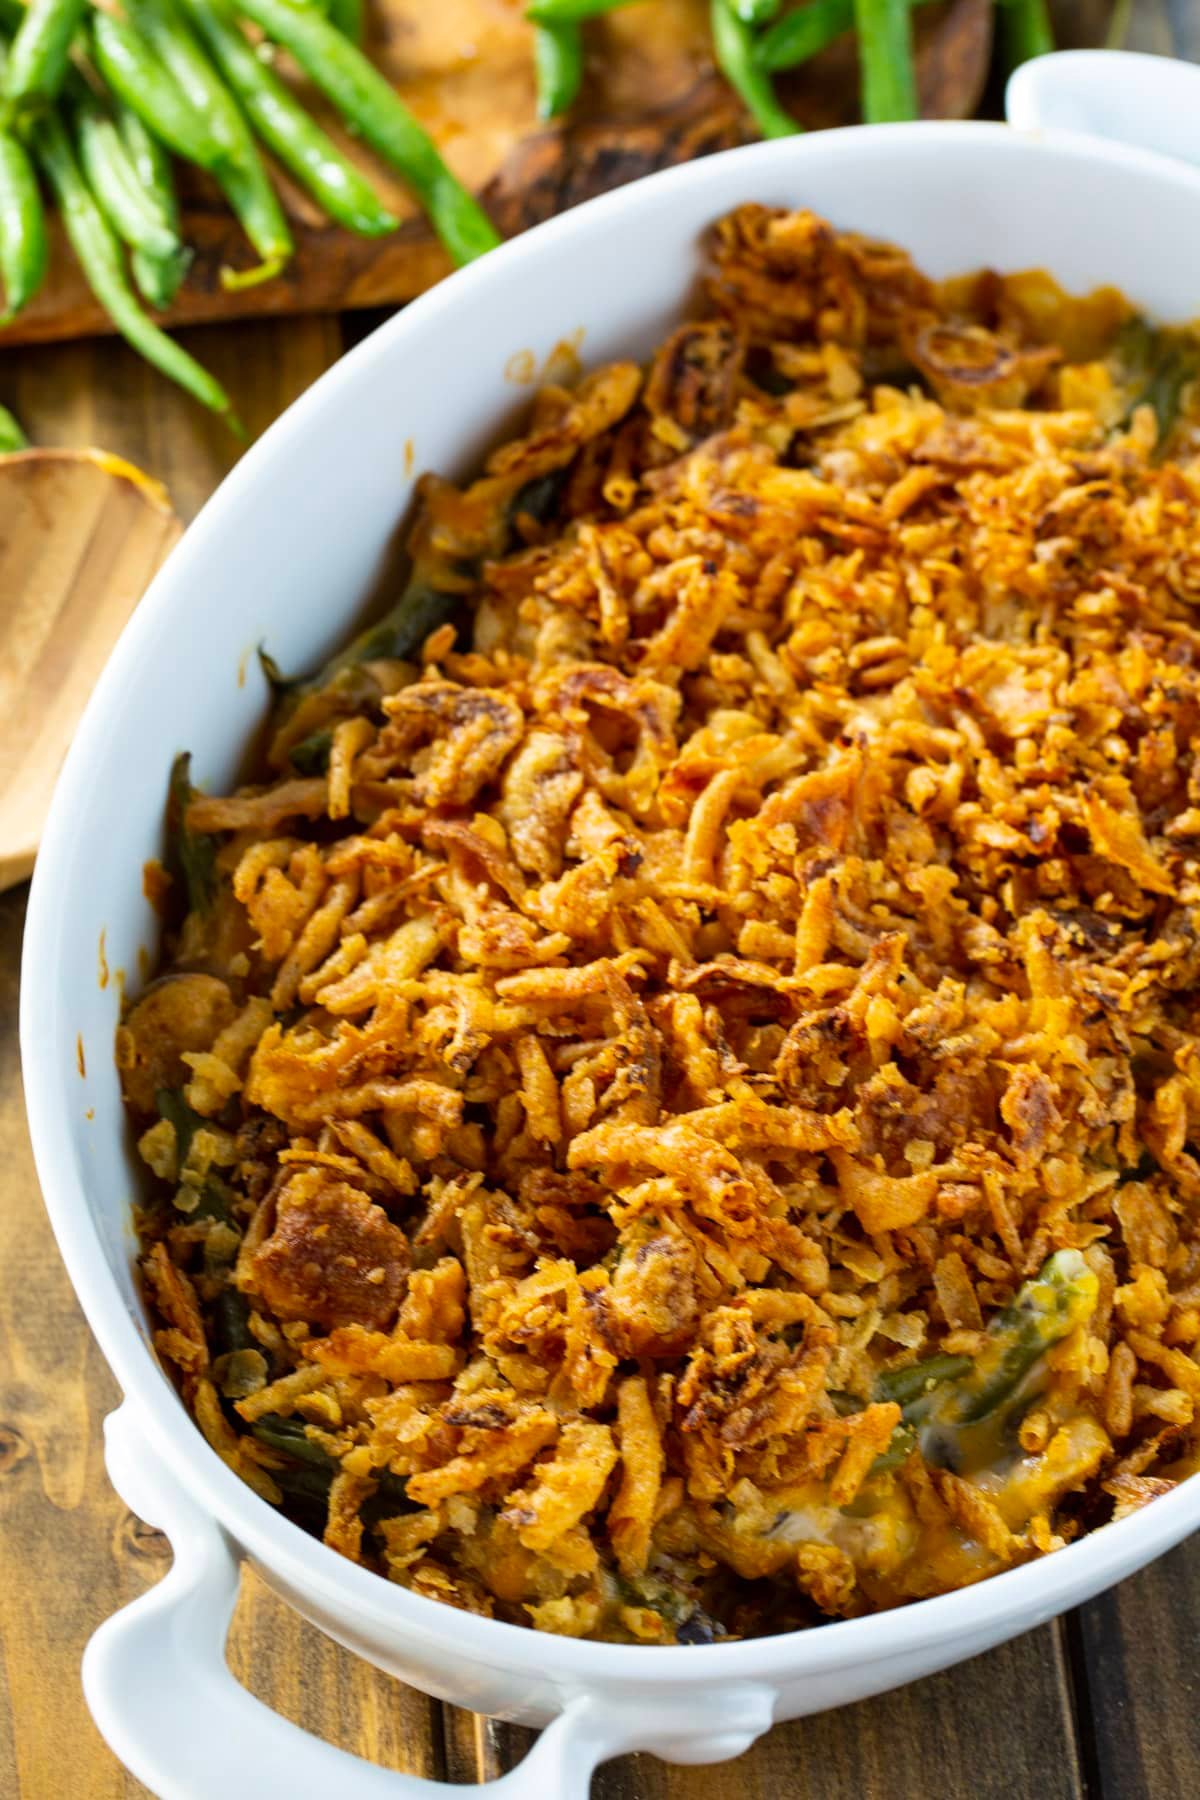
(130, 204)
(290, 1437)
(1026, 30)
(191, 855)
(184, 1121)
(138, 77)
(1160, 364)
(669, 1599)
(913, 1389)
(802, 33)
(733, 45)
(311, 755)
(151, 162)
(231, 1329)
(421, 608)
(885, 59)
(537, 499)
(239, 169)
(370, 106)
(910, 1386)
(158, 278)
(24, 246)
(755, 13)
(901, 1445)
(316, 1468)
(564, 12)
(1045, 1309)
(350, 18)
(125, 203)
(24, 249)
(433, 595)
(212, 1198)
(1164, 392)
(11, 436)
(284, 126)
(558, 63)
(41, 49)
(966, 1415)
(399, 634)
(303, 1482)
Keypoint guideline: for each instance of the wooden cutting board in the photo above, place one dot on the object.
(81, 535)
(650, 98)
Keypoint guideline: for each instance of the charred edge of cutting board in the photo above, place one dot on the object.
(562, 167)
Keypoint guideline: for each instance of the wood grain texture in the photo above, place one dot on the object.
(99, 392)
(1135, 1658)
(650, 99)
(951, 1736)
(80, 539)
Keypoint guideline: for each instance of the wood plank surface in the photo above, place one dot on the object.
(1102, 1706)
(1136, 1653)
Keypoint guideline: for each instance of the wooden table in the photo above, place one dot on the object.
(1101, 1705)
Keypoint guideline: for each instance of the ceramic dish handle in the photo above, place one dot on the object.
(163, 1696)
(1147, 102)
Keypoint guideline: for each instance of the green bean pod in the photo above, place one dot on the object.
(371, 107)
(558, 63)
(1044, 1310)
(399, 635)
(1026, 30)
(555, 12)
(24, 251)
(99, 256)
(125, 203)
(151, 162)
(290, 1438)
(733, 45)
(11, 436)
(901, 1445)
(965, 1418)
(350, 18)
(885, 60)
(159, 257)
(138, 77)
(284, 126)
(191, 855)
(802, 33)
(239, 169)
(911, 1386)
(41, 49)
(158, 277)
(756, 13)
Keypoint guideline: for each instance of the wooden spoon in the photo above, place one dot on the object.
(81, 534)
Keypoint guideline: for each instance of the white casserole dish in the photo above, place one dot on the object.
(282, 555)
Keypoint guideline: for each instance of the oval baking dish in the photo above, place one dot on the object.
(283, 555)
